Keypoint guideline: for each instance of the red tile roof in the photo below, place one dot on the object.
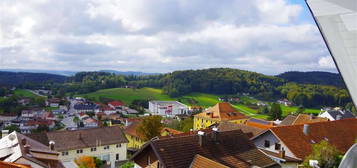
(258, 123)
(116, 103)
(222, 111)
(340, 133)
(301, 119)
(13, 165)
(203, 162)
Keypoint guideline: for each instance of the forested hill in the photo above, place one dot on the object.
(21, 78)
(315, 77)
(219, 81)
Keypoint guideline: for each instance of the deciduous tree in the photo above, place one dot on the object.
(150, 127)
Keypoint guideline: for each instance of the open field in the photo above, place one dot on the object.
(24, 93)
(127, 95)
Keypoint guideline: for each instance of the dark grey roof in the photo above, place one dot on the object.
(343, 114)
(86, 106)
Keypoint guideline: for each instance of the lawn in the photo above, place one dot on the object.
(127, 95)
(203, 99)
(24, 93)
(287, 110)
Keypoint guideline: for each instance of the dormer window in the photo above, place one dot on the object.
(277, 146)
(267, 143)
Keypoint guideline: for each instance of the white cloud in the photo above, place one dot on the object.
(326, 62)
(159, 35)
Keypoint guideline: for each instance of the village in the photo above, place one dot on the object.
(70, 128)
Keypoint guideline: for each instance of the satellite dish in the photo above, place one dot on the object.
(11, 137)
(350, 158)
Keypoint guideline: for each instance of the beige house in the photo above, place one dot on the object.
(106, 143)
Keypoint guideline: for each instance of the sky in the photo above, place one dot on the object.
(265, 36)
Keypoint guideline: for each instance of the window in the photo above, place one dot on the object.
(117, 157)
(80, 151)
(93, 149)
(106, 147)
(266, 143)
(65, 153)
(118, 145)
(277, 146)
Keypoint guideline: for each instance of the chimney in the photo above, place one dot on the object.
(126, 122)
(51, 145)
(4, 133)
(311, 116)
(200, 137)
(23, 141)
(215, 134)
(306, 129)
(282, 153)
(338, 117)
(27, 149)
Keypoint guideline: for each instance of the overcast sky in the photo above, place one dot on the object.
(266, 36)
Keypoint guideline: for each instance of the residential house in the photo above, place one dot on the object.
(301, 119)
(203, 149)
(48, 116)
(289, 145)
(54, 102)
(28, 126)
(86, 107)
(220, 112)
(106, 143)
(58, 111)
(116, 104)
(136, 140)
(108, 110)
(7, 118)
(31, 113)
(167, 108)
(24, 101)
(90, 123)
(285, 102)
(333, 115)
(229, 126)
(25, 152)
(259, 123)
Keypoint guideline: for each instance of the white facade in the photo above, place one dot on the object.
(115, 152)
(167, 108)
(261, 143)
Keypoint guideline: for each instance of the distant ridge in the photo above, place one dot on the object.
(18, 78)
(71, 73)
(314, 77)
(128, 73)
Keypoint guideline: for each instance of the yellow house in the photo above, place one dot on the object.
(220, 112)
(136, 141)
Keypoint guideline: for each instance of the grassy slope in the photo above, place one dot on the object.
(206, 100)
(24, 93)
(128, 95)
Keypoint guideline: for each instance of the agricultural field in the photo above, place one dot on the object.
(127, 95)
(24, 93)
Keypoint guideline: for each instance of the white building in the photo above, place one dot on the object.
(106, 143)
(167, 108)
(333, 115)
